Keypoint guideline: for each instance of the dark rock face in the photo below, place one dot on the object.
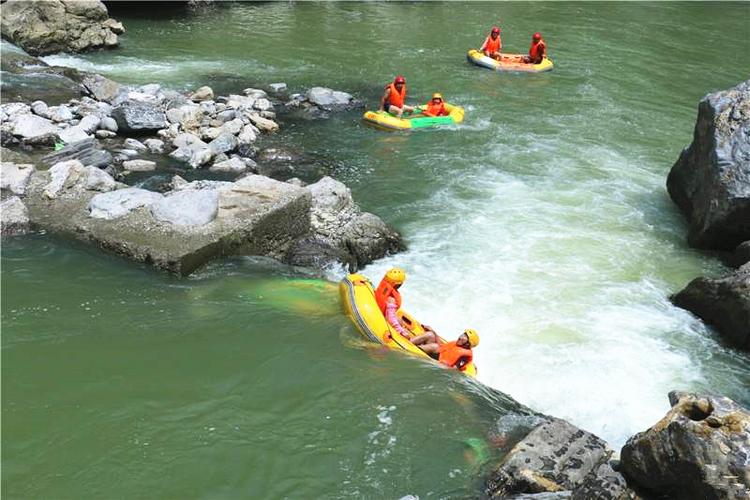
(136, 117)
(318, 254)
(710, 181)
(699, 450)
(723, 302)
(604, 482)
(58, 25)
(88, 152)
(741, 255)
(555, 456)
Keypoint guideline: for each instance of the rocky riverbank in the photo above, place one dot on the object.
(710, 182)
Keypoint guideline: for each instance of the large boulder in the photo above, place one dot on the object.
(723, 303)
(14, 217)
(50, 26)
(88, 152)
(330, 99)
(34, 129)
(555, 456)
(134, 116)
(710, 181)
(699, 450)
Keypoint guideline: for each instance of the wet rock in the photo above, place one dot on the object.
(88, 152)
(604, 483)
(224, 143)
(15, 177)
(710, 181)
(188, 207)
(723, 303)
(58, 25)
(134, 144)
(699, 450)
(555, 456)
(108, 123)
(14, 217)
(202, 94)
(134, 116)
(318, 253)
(139, 165)
(154, 145)
(741, 255)
(328, 98)
(72, 135)
(119, 203)
(233, 165)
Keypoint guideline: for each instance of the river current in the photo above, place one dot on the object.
(542, 221)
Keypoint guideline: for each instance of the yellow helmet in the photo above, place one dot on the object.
(437, 95)
(395, 276)
(472, 336)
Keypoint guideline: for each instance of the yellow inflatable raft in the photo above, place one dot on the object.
(416, 119)
(508, 62)
(358, 297)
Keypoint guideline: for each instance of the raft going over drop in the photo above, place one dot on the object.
(508, 62)
(358, 297)
(416, 119)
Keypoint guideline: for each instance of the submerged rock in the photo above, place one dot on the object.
(699, 450)
(710, 181)
(723, 303)
(58, 25)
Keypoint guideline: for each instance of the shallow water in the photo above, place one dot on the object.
(542, 221)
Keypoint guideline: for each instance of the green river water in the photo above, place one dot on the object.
(542, 221)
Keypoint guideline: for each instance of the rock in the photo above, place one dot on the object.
(555, 456)
(368, 238)
(14, 217)
(127, 153)
(248, 135)
(232, 127)
(226, 115)
(40, 108)
(211, 133)
(99, 180)
(223, 143)
(57, 25)
(603, 482)
(134, 116)
(88, 152)
(101, 88)
(187, 208)
(139, 165)
(114, 26)
(699, 450)
(278, 87)
(233, 165)
(134, 144)
(318, 253)
(104, 134)
(722, 302)
(558, 495)
(741, 255)
(13, 110)
(73, 134)
(60, 114)
(263, 105)
(239, 102)
(187, 139)
(15, 177)
(268, 114)
(263, 124)
(188, 116)
(710, 181)
(150, 89)
(108, 123)
(255, 93)
(35, 129)
(63, 175)
(119, 203)
(154, 145)
(202, 94)
(89, 123)
(328, 98)
(201, 157)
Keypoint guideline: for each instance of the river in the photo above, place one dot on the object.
(542, 221)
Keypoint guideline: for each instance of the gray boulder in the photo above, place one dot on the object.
(58, 25)
(101, 88)
(134, 144)
(233, 165)
(119, 203)
(15, 177)
(331, 100)
(555, 456)
(14, 217)
(59, 114)
(202, 94)
(89, 123)
(88, 152)
(139, 165)
(710, 181)
(723, 303)
(224, 143)
(72, 135)
(699, 450)
(35, 129)
(99, 180)
(63, 175)
(108, 123)
(187, 207)
(137, 116)
(154, 145)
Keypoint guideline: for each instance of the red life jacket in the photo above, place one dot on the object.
(396, 98)
(383, 292)
(435, 109)
(452, 355)
(537, 50)
(491, 45)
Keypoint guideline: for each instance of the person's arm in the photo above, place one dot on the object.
(392, 318)
(384, 98)
(484, 45)
(500, 43)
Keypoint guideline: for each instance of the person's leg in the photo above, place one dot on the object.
(425, 338)
(432, 348)
(395, 110)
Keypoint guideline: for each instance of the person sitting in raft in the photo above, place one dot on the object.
(492, 44)
(435, 107)
(456, 354)
(389, 299)
(393, 100)
(537, 51)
